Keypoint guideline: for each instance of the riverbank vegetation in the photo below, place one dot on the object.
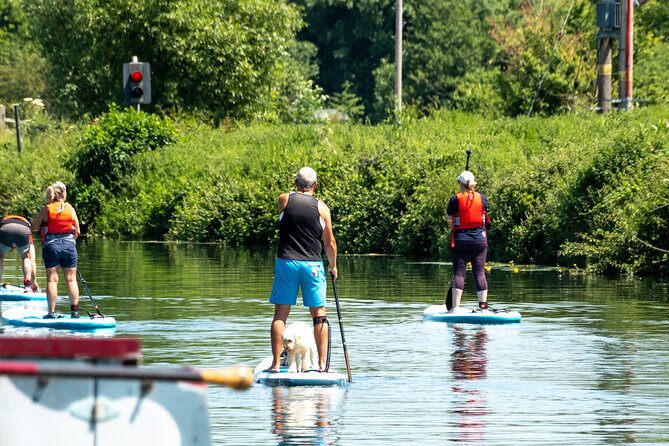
(579, 189)
(237, 87)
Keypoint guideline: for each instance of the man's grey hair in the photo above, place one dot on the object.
(305, 178)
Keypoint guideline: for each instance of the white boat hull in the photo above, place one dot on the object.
(78, 411)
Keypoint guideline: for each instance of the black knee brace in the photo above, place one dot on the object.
(321, 320)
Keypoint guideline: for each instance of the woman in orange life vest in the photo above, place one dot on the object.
(59, 247)
(468, 214)
(15, 233)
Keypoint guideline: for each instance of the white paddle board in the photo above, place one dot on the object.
(285, 378)
(463, 316)
(32, 317)
(10, 292)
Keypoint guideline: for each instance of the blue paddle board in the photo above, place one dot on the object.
(463, 316)
(32, 317)
(285, 378)
(17, 293)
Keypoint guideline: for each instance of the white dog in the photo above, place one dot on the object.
(300, 344)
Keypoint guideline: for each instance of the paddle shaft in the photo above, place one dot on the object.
(237, 378)
(449, 294)
(341, 328)
(90, 296)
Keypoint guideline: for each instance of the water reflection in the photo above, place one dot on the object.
(468, 362)
(302, 415)
(616, 376)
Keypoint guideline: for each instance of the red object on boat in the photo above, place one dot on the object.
(126, 350)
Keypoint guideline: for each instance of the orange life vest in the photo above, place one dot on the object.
(61, 218)
(470, 213)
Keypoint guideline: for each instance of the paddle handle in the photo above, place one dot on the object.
(341, 329)
(234, 377)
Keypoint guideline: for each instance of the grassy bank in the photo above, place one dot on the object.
(585, 189)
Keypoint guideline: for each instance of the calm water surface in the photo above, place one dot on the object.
(588, 365)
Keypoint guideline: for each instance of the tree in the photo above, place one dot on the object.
(651, 44)
(214, 56)
(544, 58)
(21, 67)
(444, 40)
(352, 38)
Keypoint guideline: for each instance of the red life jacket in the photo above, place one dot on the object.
(470, 213)
(61, 218)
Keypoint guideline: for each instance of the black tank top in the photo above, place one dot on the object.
(300, 230)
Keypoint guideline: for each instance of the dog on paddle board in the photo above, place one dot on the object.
(300, 344)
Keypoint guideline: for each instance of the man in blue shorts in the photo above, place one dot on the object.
(305, 229)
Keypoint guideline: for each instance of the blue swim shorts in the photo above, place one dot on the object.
(289, 275)
(60, 252)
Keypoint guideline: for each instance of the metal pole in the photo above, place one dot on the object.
(629, 55)
(604, 75)
(18, 133)
(626, 43)
(398, 55)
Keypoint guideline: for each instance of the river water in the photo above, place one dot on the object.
(588, 364)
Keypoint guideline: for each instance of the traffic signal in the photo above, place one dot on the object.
(136, 82)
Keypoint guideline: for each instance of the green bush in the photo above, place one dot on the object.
(104, 158)
(586, 189)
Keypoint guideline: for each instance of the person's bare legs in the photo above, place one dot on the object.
(281, 312)
(33, 267)
(52, 288)
(72, 285)
(26, 262)
(321, 335)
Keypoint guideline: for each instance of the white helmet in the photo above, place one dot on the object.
(467, 178)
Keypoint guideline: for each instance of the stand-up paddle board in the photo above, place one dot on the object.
(285, 378)
(31, 317)
(440, 314)
(17, 293)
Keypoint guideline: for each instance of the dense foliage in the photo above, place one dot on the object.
(585, 189)
(22, 69)
(279, 61)
(227, 58)
(105, 153)
(501, 57)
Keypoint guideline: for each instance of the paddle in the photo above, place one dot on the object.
(90, 296)
(341, 327)
(234, 377)
(449, 294)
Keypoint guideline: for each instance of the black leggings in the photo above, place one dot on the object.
(469, 251)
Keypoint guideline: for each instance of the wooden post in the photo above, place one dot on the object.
(604, 75)
(18, 133)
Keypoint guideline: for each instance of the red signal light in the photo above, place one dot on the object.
(136, 76)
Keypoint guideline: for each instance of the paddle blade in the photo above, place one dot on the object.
(449, 298)
(236, 377)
